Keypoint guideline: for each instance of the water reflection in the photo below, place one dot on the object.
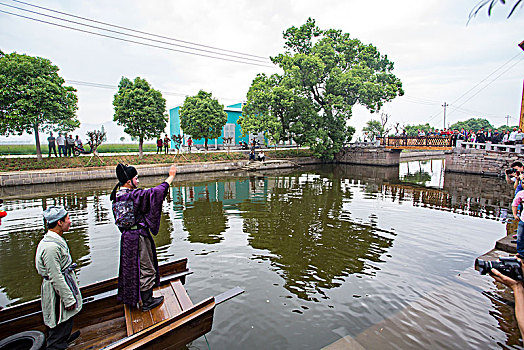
(22, 233)
(429, 172)
(312, 241)
(323, 252)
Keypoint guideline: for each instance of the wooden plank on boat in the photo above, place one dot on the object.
(129, 320)
(228, 295)
(181, 294)
(186, 326)
(98, 335)
(137, 320)
(170, 300)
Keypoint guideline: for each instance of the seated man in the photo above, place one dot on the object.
(261, 156)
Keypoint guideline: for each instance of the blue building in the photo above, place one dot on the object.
(231, 129)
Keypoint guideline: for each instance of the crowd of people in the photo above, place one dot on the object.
(66, 145)
(482, 135)
(162, 144)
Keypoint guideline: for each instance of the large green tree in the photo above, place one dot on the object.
(328, 72)
(33, 97)
(202, 116)
(273, 109)
(140, 109)
(474, 124)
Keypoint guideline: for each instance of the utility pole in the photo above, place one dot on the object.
(445, 105)
(507, 119)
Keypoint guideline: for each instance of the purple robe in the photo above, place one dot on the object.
(148, 208)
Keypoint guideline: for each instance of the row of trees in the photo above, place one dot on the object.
(34, 99)
(325, 73)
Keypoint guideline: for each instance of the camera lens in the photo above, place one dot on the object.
(482, 266)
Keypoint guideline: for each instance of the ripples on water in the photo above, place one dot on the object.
(348, 254)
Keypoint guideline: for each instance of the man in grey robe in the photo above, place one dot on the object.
(61, 298)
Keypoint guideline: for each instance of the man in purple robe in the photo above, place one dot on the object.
(137, 215)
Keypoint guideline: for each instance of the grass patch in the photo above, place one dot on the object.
(20, 164)
(104, 148)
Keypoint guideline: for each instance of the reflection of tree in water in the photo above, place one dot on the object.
(312, 240)
(18, 275)
(205, 221)
(418, 177)
(163, 239)
(100, 211)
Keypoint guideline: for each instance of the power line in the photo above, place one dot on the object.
(135, 42)
(136, 31)
(480, 82)
(454, 108)
(488, 84)
(114, 87)
(133, 36)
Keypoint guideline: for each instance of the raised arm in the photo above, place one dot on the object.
(172, 173)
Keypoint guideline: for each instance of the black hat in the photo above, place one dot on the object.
(125, 173)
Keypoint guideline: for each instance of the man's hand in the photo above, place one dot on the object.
(172, 170)
(510, 282)
(72, 307)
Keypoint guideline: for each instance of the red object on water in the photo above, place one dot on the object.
(3, 213)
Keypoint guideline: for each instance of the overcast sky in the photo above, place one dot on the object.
(437, 55)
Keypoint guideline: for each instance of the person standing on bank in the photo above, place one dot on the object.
(159, 145)
(70, 145)
(166, 144)
(137, 215)
(60, 141)
(61, 298)
(51, 144)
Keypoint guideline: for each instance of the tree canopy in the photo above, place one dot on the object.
(33, 97)
(412, 130)
(374, 129)
(474, 124)
(140, 109)
(202, 116)
(326, 72)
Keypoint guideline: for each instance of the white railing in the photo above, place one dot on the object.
(488, 146)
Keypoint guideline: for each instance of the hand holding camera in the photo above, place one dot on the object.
(507, 270)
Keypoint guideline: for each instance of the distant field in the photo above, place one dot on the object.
(22, 163)
(104, 148)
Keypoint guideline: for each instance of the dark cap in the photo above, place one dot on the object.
(125, 173)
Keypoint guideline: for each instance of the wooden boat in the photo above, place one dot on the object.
(106, 323)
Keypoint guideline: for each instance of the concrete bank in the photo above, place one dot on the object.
(422, 154)
(100, 173)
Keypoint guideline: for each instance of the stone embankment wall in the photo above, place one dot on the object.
(482, 158)
(368, 155)
(422, 154)
(480, 161)
(82, 174)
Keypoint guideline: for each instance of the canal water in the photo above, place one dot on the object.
(328, 255)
